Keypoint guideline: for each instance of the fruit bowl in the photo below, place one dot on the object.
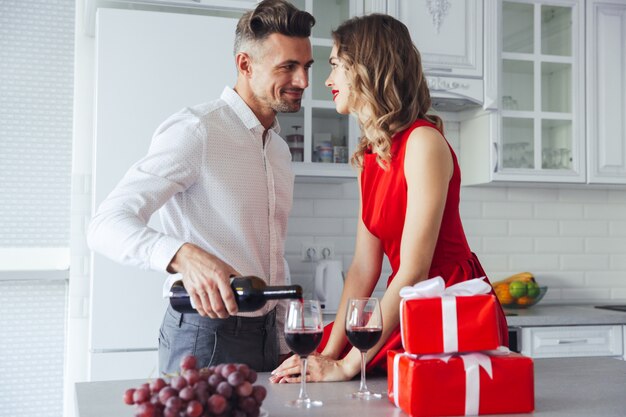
(524, 301)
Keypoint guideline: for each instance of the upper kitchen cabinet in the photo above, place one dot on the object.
(606, 91)
(537, 133)
(448, 34)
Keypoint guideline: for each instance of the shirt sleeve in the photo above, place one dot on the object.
(119, 230)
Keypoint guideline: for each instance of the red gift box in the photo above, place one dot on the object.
(450, 324)
(463, 384)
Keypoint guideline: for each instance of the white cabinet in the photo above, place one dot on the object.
(447, 33)
(561, 97)
(537, 134)
(572, 341)
(606, 91)
(449, 36)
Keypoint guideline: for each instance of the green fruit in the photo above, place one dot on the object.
(517, 289)
(532, 289)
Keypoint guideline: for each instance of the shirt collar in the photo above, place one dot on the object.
(244, 112)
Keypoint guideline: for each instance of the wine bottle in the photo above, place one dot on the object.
(251, 294)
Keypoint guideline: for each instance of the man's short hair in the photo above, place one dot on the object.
(272, 16)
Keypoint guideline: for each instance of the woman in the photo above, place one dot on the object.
(409, 181)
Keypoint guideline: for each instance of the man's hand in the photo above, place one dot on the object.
(207, 280)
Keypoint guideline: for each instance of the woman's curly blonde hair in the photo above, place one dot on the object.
(388, 87)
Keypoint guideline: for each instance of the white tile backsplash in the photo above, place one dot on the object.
(617, 228)
(559, 244)
(542, 261)
(531, 194)
(606, 279)
(484, 227)
(573, 240)
(558, 211)
(618, 262)
(319, 226)
(335, 207)
(507, 210)
(612, 245)
(583, 228)
(561, 279)
(508, 245)
(585, 294)
(584, 262)
(587, 195)
(605, 211)
(533, 227)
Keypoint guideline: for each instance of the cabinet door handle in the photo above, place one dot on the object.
(572, 341)
(496, 158)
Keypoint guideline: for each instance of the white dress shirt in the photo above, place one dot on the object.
(216, 184)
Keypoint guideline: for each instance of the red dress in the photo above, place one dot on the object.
(384, 200)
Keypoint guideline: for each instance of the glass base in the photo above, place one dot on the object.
(366, 395)
(308, 403)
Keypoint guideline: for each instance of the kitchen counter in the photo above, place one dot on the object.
(564, 387)
(564, 315)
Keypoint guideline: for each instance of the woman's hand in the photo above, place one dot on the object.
(319, 368)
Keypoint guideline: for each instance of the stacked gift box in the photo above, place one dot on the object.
(453, 363)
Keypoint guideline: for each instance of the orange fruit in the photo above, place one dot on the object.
(503, 294)
(525, 301)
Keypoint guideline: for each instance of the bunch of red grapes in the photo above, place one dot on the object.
(224, 390)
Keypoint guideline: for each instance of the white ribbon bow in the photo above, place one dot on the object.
(472, 362)
(435, 288)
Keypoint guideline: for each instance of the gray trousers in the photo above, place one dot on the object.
(249, 340)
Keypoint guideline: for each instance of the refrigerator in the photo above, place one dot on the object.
(148, 66)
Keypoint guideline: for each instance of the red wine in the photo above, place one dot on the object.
(303, 342)
(363, 338)
(251, 294)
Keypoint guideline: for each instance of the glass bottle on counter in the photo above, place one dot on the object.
(251, 294)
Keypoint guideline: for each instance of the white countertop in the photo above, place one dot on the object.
(564, 387)
(564, 315)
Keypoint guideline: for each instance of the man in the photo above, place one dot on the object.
(221, 178)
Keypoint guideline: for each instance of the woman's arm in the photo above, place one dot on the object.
(428, 168)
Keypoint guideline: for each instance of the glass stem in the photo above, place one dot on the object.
(303, 395)
(363, 387)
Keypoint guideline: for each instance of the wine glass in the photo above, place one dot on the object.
(364, 326)
(303, 334)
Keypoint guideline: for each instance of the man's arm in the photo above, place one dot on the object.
(119, 229)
